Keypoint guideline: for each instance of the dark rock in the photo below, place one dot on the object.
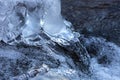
(94, 18)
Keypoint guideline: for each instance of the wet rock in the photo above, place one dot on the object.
(99, 18)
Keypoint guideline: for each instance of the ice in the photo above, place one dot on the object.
(31, 27)
(10, 54)
(44, 69)
(26, 18)
(54, 24)
(29, 19)
(62, 73)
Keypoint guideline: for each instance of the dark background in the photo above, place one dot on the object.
(99, 18)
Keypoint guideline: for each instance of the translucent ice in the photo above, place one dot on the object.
(23, 19)
(54, 25)
(28, 19)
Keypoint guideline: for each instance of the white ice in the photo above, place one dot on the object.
(54, 24)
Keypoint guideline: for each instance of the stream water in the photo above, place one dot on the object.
(68, 55)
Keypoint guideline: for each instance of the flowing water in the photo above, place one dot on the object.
(54, 50)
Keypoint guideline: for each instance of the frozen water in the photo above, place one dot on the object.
(100, 71)
(57, 27)
(25, 19)
(10, 54)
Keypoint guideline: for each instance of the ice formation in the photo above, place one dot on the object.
(24, 20)
(32, 74)
(54, 25)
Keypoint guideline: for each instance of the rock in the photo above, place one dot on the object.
(90, 18)
(94, 18)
